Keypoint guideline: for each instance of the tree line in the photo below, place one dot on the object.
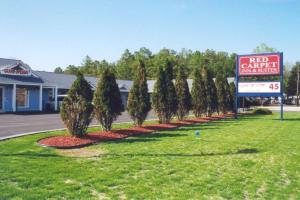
(169, 99)
(124, 67)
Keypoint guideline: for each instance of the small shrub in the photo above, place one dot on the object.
(262, 111)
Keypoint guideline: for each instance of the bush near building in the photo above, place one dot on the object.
(199, 99)
(107, 100)
(211, 91)
(164, 98)
(262, 111)
(139, 103)
(184, 99)
(222, 94)
(76, 110)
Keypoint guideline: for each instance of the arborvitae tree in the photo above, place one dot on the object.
(77, 108)
(211, 93)
(232, 95)
(229, 96)
(171, 103)
(214, 105)
(164, 95)
(107, 100)
(159, 96)
(183, 94)
(221, 92)
(139, 104)
(199, 99)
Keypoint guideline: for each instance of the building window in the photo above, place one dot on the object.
(22, 97)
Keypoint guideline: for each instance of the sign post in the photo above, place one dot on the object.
(253, 66)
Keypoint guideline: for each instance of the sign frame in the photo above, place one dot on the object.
(237, 76)
(260, 73)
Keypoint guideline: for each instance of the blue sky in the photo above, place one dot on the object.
(46, 34)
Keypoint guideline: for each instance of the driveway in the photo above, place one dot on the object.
(286, 108)
(16, 124)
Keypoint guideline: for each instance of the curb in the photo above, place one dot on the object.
(58, 129)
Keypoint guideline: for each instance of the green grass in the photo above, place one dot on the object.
(255, 157)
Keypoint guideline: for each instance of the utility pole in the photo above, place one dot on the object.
(297, 86)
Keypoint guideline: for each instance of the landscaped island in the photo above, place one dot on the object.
(255, 156)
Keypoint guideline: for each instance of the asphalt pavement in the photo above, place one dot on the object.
(12, 125)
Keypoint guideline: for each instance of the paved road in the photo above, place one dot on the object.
(15, 124)
(286, 108)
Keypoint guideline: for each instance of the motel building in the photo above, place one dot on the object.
(25, 90)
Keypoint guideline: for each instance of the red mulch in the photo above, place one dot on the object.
(64, 141)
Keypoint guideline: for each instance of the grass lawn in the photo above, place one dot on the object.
(255, 157)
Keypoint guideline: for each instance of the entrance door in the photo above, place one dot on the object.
(1, 99)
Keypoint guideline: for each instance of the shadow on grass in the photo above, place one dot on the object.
(147, 138)
(202, 154)
(133, 140)
(197, 128)
(28, 154)
(287, 119)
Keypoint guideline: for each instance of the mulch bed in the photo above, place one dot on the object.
(68, 142)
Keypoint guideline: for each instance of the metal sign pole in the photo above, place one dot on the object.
(236, 86)
(281, 85)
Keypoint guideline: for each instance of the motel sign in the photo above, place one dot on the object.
(259, 65)
(256, 65)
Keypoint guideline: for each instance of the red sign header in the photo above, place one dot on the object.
(18, 72)
(259, 65)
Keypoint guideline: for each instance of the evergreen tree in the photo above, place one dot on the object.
(232, 95)
(107, 100)
(210, 91)
(76, 110)
(292, 80)
(171, 103)
(214, 105)
(164, 95)
(221, 92)
(183, 94)
(229, 96)
(199, 98)
(139, 104)
(159, 96)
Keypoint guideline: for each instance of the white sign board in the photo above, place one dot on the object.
(259, 87)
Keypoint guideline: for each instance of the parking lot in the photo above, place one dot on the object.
(15, 124)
